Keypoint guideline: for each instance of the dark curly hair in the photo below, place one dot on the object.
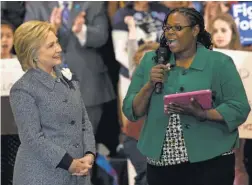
(195, 18)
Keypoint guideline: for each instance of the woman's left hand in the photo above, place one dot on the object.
(193, 109)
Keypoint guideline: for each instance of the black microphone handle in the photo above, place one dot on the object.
(158, 87)
(162, 57)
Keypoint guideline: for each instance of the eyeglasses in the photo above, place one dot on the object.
(175, 28)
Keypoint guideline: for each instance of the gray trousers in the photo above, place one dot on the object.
(137, 159)
(94, 114)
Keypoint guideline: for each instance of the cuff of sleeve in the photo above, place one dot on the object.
(229, 116)
(65, 162)
(82, 35)
(128, 108)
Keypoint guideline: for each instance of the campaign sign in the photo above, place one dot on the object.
(11, 71)
(242, 13)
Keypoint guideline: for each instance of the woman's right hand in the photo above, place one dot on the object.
(157, 73)
(142, 99)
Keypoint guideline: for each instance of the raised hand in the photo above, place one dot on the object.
(55, 17)
(129, 20)
(78, 22)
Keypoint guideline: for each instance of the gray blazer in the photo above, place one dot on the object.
(84, 61)
(51, 120)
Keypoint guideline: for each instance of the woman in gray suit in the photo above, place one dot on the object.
(57, 142)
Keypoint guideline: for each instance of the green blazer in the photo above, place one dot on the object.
(204, 140)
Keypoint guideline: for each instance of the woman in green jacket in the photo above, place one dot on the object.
(188, 145)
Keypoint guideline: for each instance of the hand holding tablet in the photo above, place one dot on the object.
(191, 103)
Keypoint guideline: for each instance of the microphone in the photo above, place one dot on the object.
(162, 58)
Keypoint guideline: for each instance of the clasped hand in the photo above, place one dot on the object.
(81, 167)
(192, 109)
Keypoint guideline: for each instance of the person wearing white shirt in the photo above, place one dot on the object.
(11, 71)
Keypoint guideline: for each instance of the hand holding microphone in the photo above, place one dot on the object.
(158, 74)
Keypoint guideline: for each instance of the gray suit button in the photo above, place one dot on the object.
(72, 122)
(76, 145)
(65, 100)
(83, 129)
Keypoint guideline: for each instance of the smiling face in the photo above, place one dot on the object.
(180, 41)
(222, 34)
(6, 39)
(49, 54)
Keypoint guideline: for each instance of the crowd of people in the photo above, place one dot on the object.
(104, 45)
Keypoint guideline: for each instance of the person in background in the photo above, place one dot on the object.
(184, 143)
(198, 5)
(11, 71)
(148, 17)
(212, 9)
(57, 140)
(110, 109)
(225, 33)
(7, 32)
(113, 6)
(129, 129)
(176, 4)
(132, 43)
(13, 12)
(82, 28)
(132, 129)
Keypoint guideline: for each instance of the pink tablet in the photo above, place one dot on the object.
(204, 97)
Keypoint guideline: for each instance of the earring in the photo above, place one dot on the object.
(35, 60)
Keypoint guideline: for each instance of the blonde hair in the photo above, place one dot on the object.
(27, 40)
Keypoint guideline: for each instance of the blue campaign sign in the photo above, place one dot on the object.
(242, 13)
